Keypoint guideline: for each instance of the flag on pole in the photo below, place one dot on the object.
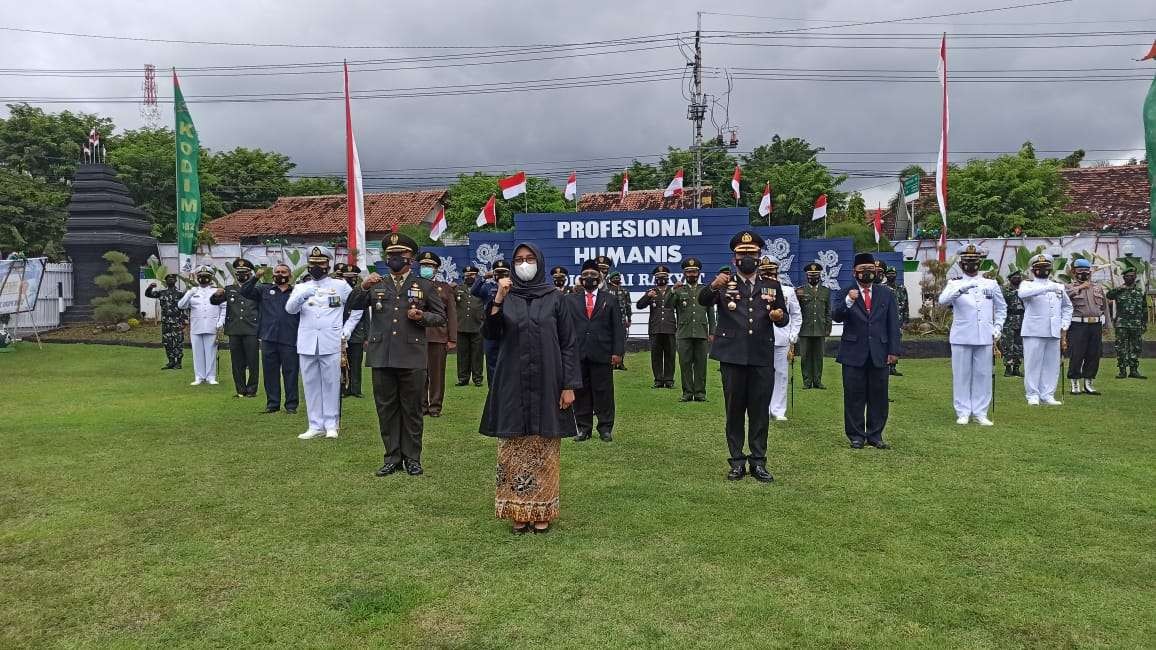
(513, 186)
(489, 213)
(820, 208)
(1150, 145)
(354, 190)
(188, 156)
(439, 224)
(765, 205)
(625, 185)
(571, 192)
(1151, 53)
(93, 138)
(878, 223)
(675, 187)
(941, 163)
(738, 176)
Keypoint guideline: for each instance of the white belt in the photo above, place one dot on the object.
(1085, 319)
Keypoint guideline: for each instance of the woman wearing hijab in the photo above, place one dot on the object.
(528, 406)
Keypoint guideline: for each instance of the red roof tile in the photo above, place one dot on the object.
(325, 216)
(639, 200)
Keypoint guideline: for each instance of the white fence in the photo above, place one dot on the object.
(55, 296)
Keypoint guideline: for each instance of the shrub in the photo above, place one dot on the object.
(119, 304)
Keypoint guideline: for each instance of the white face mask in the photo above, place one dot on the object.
(526, 271)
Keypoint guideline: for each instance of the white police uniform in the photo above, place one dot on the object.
(979, 310)
(321, 304)
(785, 337)
(205, 319)
(1047, 314)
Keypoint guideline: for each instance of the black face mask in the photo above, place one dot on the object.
(317, 272)
(890, 278)
(1015, 282)
(204, 280)
(813, 280)
(1083, 277)
(471, 278)
(590, 283)
(352, 281)
(1129, 280)
(244, 277)
(171, 282)
(865, 276)
(501, 273)
(559, 282)
(396, 263)
(747, 265)
(970, 268)
(1041, 273)
(280, 279)
(691, 278)
(615, 283)
(660, 281)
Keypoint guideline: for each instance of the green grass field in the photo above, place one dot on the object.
(136, 511)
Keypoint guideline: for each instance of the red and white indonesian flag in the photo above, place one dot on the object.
(820, 208)
(513, 186)
(738, 176)
(571, 187)
(489, 213)
(941, 164)
(625, 185)
(354, 190)
(675, 187)
(765, 205)
(439, 224)
(878, 223)
(93, 138)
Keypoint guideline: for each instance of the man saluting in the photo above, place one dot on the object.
(870, 344)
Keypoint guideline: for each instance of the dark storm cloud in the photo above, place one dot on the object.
(582, 123)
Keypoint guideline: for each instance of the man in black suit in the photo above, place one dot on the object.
(749, 307)
(601, 341)
(870, 344)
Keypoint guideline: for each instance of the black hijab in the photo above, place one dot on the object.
(537, 286)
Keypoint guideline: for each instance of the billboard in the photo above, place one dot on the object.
(20, 281)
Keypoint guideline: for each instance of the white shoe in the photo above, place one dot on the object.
(1089, 388)
(196, 382)
(1033, 401)
(311, 434)
(963, 419)
(983, 421)
(780, 418)
(1075, 386)
(331, 433)
(212, 382)
(1051, 401)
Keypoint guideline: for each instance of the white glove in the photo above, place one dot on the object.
(995, 335)
(792, 340)
(1059, 290)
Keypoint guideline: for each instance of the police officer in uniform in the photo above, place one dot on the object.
(241, 324)
(205, 318)
(694, 331)
(1086, 335)
(748, 308)
(1131, 321)
(661, 328)
(470, 316)
(320, 302)
(561, 278)
(1011, 343)
(440, 340)
(173, 320)
(401, 306)
(815, 305)
(614, 286)
(355, 345)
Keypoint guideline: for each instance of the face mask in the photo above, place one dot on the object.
(471, 278)
(426, 272)
(660, 281)
(316, 272)
(1015, 282)
(280, 279)
(891, 279)
(244, 277)
(204, 280)
(813, 280)
(747, 265)
(560, 282)
(501, 273)
(1129, 280)
(970, 268)
(1083, 276)
(692, 278)
(865, 276)
(615, 282)
(526, 270)
(396, 263)
(590, 283)
(1041, 273)
(171, 282)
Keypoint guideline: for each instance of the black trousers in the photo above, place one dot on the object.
(595, 397)
(397, 393)
(662, 358)
(243, 352)
(865, 391)
(1085, 341)
(747, 395)
(355, 353)
(281, 364)
(470, 357)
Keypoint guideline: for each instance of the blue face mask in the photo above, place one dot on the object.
(427, 272)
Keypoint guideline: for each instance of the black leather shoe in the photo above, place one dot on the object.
(1120, 375)
(177, 367)
(291, 411)
(686, 398)
(1135, 374)
(387, 469)
(357, 395)
(478, 384)
(820, 386)
(606, 437)
(879, 445)
(168, 367)
(412, 467)
(462, 383)
(700, 398)
(581, 437)
(761, 474)
(737, 473)
(856, 444)
(271, 410)
(658, 384)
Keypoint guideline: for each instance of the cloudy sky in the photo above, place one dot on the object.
(866, 93)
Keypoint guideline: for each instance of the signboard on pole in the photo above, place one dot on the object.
(20, 281)
(910, 187)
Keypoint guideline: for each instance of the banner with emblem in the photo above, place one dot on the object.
(835, 255)
(782, 243)
(454, 259)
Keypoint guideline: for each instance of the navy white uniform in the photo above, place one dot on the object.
(785, 339)
(205, 319)
(1047, 316)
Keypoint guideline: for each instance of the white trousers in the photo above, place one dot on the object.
(971, 379)
(778, 406)
(321, 374)
(1041, 366)
(204, 356)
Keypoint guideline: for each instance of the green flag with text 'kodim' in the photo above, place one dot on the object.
(1150, 144)
(188, 181)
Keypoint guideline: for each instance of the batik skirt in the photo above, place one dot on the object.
(528, 478)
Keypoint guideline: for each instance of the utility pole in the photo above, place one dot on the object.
(696, 113)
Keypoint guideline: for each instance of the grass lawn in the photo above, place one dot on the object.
(138, 511)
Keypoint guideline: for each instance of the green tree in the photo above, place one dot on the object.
(795, 186)
(856, 211)
(46, 146)
(118, 303)
(470, 193)
(863, 235)
(780, 151)
(32, 215)
(1073, 159)
(643, 176)
(718, 166)
(315, 186)
(247, 178)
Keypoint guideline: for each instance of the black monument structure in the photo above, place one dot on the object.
(101, 217)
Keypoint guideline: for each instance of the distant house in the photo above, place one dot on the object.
(641, 200)
(320, 219)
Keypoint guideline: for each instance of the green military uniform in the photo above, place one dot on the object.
(1011, 341)
(1130, 323)
(891, 281)
(660, 328)
(815, 303)
(694, 324)
(355, 346)
(470, 317)
(173, 320)
(241, 322)
(623, 297)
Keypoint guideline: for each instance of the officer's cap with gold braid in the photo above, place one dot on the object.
(429, 258)
(559, 271)
(319, 255)
(500, 264)
(971, 252)
(242, 263)
(470, 269)
(340, 268)
(603, 260)
(813, 267)
(661, 270)
(747, 242)
(352, 271)
(691, 264)
(1041, 260)
(396, 242)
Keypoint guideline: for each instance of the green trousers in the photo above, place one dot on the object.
(1129, 343)
(692, 367)
(810, 350)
